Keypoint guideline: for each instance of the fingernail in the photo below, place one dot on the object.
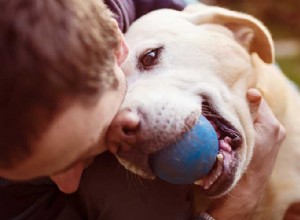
(253, 95)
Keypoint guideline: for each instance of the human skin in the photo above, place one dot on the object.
(241, 203)
(74, 137)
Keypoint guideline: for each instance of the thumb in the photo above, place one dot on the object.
(254, 98)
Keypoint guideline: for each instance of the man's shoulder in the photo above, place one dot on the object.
(126, 11)
(33, 199)
(3, 182)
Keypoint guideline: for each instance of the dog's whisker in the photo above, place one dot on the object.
(137, 182)
(134, 180)
(140, 180)
(128, 174)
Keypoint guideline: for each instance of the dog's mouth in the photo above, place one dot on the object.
(222, 176)
(230, 140)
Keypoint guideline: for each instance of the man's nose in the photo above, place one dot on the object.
(68, 181)
(124, 131)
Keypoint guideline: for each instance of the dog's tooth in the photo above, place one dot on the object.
(219, 168)
(206, 186)
(199, 182)
(209, 180)
(220, 157)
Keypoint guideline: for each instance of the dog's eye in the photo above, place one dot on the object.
(150, 58)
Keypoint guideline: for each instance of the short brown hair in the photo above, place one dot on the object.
(49, 49)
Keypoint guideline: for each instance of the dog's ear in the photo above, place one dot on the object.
(248, 31)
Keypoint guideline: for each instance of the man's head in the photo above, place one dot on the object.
(60, 84)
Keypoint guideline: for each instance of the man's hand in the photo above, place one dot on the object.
(241, 203)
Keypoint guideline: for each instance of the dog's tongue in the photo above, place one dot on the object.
(226, 151)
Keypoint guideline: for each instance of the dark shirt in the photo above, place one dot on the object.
(37, 199)
(127, 11)
(107, 191)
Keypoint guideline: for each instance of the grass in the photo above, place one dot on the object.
(291, 67)
(290, 64)
(282, 32)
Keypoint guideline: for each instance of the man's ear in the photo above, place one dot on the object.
(248, 31)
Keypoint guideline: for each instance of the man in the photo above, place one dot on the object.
(61, 86)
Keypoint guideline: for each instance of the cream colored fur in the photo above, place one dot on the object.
(218, 53)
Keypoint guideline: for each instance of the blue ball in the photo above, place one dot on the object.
(189, 159)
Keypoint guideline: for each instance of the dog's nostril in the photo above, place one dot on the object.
(130, 130)
(129, 123)
(124, 130)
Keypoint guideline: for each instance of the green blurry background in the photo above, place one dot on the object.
(282, 17)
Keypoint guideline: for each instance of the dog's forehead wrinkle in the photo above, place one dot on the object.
(217, 28)
(153, 25)
(139, 47)
(155, 31)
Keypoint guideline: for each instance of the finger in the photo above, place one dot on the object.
(281, 134)
(254, 97)
(266, 123)
(265, 115)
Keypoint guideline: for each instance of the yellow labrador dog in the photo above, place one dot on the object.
(202, 61)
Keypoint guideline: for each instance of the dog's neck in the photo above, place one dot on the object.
(284, 100)
(275, 87)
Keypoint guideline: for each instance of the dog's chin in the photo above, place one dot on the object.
(140, 168)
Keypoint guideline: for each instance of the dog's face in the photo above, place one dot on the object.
(177, 70)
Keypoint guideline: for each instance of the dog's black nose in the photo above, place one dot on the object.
(123, 131)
